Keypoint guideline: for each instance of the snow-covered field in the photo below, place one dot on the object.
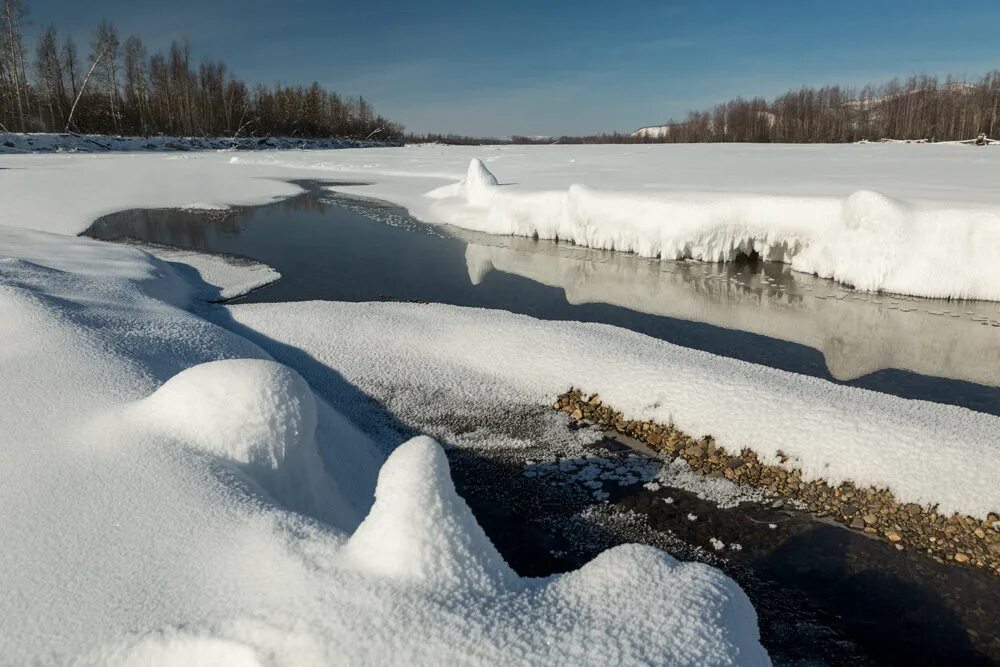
(171, 493)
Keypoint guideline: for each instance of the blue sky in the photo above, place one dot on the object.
(499, 68)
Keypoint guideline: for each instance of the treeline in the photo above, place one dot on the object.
(462, 140)
(922, 107)
(117, 87)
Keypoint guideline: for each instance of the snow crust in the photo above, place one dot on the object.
(172, 495)
(924, 452)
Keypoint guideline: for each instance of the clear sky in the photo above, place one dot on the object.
(509, 67)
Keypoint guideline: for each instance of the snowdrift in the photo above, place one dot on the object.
(172, 495)
(868, 240)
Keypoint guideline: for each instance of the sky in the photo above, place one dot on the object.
(497, 68)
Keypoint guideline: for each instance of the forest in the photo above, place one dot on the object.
(116, 86)
(921, 108)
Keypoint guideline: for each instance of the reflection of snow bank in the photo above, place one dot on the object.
(924, 452)
(857, 335)
(162, 482)
(867, 239)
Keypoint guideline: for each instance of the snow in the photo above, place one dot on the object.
(867, 239)
(66, 193)
(924, 452)
(172, 495)
(174, 491)
(920, 220)
(909, 219)
(421, 531)
(226, 277)
(653, 132)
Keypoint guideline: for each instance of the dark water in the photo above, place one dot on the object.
(335, 248)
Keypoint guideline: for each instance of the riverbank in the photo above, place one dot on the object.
(17, 142)
(955, 538)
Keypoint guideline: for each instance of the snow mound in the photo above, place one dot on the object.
(262, 416)
(246, 410)
(421, 531)
(479, 183)
(709, 620)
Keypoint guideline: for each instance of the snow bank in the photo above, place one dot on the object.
(868, 240)
(228, 277)
(171, 495)
(67, 193)
(924, 452)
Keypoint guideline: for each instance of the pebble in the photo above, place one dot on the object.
(955, 538)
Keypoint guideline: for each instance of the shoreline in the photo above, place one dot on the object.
(956, 539)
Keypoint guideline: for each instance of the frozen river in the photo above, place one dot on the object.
(333, 247)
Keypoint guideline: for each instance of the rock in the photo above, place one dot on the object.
(870, 519)
(735, 462)
(695, 451)
(893, 536)
(980, 533)
(961, 558)
(850, 510)
(576, 414)
(858, 523)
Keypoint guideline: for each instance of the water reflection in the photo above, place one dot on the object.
(338, 248)
(857, 333)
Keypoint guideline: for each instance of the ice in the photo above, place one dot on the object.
(172, 495)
